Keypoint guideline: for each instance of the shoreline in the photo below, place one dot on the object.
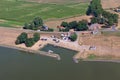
(8, 40)
(56, 56)
(52, 55)
(101, 60)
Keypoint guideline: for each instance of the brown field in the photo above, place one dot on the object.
(105, 45)
(8, 36)
(110, 3)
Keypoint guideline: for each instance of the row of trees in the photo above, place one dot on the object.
(78, 26)
(101, 16)
(35, 24)
(23, 38)
(110, 18)
(95, 8)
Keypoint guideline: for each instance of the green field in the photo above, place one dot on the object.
(17, 12)
(111, 33)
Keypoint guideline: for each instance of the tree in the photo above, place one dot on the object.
(29, 42)
(88, 12)
(115, 18)
(95, 8)
(101, 16)
(17, 42)
(82, 26)
(21, 38)
(34, 25)
(36, 37)
(73, 24)
(64, 24)
(94, 20)
(101, 21)
(38, 22)
(26, 26)
(73, 37)
(110, 18)
(110, 22)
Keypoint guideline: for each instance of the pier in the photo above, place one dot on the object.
(53, 55)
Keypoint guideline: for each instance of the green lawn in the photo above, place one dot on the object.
(17, 12)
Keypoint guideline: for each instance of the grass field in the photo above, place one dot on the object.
(111, 33)
(17, 12)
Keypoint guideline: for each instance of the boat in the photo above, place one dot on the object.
(50, 51)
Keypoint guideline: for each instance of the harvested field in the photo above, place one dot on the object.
(110, 3)
(105, 45)
(8, 36)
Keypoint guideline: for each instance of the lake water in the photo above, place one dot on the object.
(17, 65)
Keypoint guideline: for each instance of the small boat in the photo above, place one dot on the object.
(50, 51)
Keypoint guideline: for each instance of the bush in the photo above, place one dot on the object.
(94, 20)
(82, 26)
(64, 30)
(50, 29)
(78, 26)
(34, 25)
(64, 24)
(17, 42)
(73, 24)
(29, 42)
(73, 37)
(36, 37)
(21, 38)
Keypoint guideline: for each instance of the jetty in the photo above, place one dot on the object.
(53, 55)
(78, 56)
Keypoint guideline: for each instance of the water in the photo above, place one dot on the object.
(65, 54)
(17, 65)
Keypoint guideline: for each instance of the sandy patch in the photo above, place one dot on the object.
(8, 36)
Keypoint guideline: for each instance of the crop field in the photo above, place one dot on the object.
(58, 1)
(15, 13)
